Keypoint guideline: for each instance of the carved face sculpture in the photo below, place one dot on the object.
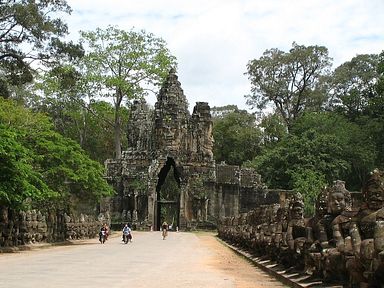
(336, 202)
(321, 204)
(374, 193)
(297, 211)
(375, 199)
(4, 215)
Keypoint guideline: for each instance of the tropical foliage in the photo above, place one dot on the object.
(291, 82)
(324, 125)
(123, 65)
(41, 167)
(310, 126)
(31, 35)
(237, 137)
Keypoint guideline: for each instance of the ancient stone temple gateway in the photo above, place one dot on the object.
(168, 172)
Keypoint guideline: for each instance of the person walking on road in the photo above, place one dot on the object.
(164, 228)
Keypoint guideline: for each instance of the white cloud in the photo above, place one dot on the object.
(214, 40)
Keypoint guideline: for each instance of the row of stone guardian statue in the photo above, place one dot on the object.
(338, 244)
(31, 226)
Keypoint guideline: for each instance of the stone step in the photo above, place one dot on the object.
(286, 276)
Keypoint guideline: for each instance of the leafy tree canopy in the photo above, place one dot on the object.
(274, 129)
(237, 138)
(220, 111)
(324, 143)
(358, 147)
(18, 179)
(124, 65)
(380, 71)
(290, 81)
(353, 85)
(42, 165)
(309, 183)
(29, 34)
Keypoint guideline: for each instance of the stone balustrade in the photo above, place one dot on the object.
(32, 226)
(341, 243)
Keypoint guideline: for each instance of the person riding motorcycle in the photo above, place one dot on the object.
(104, 231)
(127, 232)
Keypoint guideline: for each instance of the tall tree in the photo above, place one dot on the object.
(42, 165)
(353, 85)
(124, 65)
(221, 111)
(274, 129)
(86, 120)
(29, 34)
(380, 71)
(290, 81)
(237, 137)
(375, 112)
(357, 146)
(324, 143)
(18, 178)
(356, 94)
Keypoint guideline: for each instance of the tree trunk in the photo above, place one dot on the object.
(117, 136)
(119, 99)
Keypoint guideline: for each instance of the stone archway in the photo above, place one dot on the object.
(168, 193)
(169, 140)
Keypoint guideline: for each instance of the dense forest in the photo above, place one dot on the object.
(64, 109)
(64, 106)
(322, 124)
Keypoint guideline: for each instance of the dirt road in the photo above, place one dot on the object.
(182, 260)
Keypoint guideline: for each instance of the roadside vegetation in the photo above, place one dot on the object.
(64, 109)
(321, 124)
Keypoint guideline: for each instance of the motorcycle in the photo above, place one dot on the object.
(102, 236)
(126, 236)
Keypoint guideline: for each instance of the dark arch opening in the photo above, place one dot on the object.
(164, 172)
(168, 195)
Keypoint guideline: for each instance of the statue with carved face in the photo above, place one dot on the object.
(279, 235)
(369, 231)
(296, 234)
(296, 225)
(339, 204)
(378, 260)
(317, 238)
(339, 200)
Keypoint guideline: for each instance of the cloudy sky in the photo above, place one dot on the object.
(213, 40)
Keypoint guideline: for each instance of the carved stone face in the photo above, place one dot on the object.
(336, 202)
(297, 212)
(375, 195)
(4, 215)
(321, 206)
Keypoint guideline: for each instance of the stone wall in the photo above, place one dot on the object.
(32, 226)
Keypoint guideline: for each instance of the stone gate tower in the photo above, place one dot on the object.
(169, 140)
